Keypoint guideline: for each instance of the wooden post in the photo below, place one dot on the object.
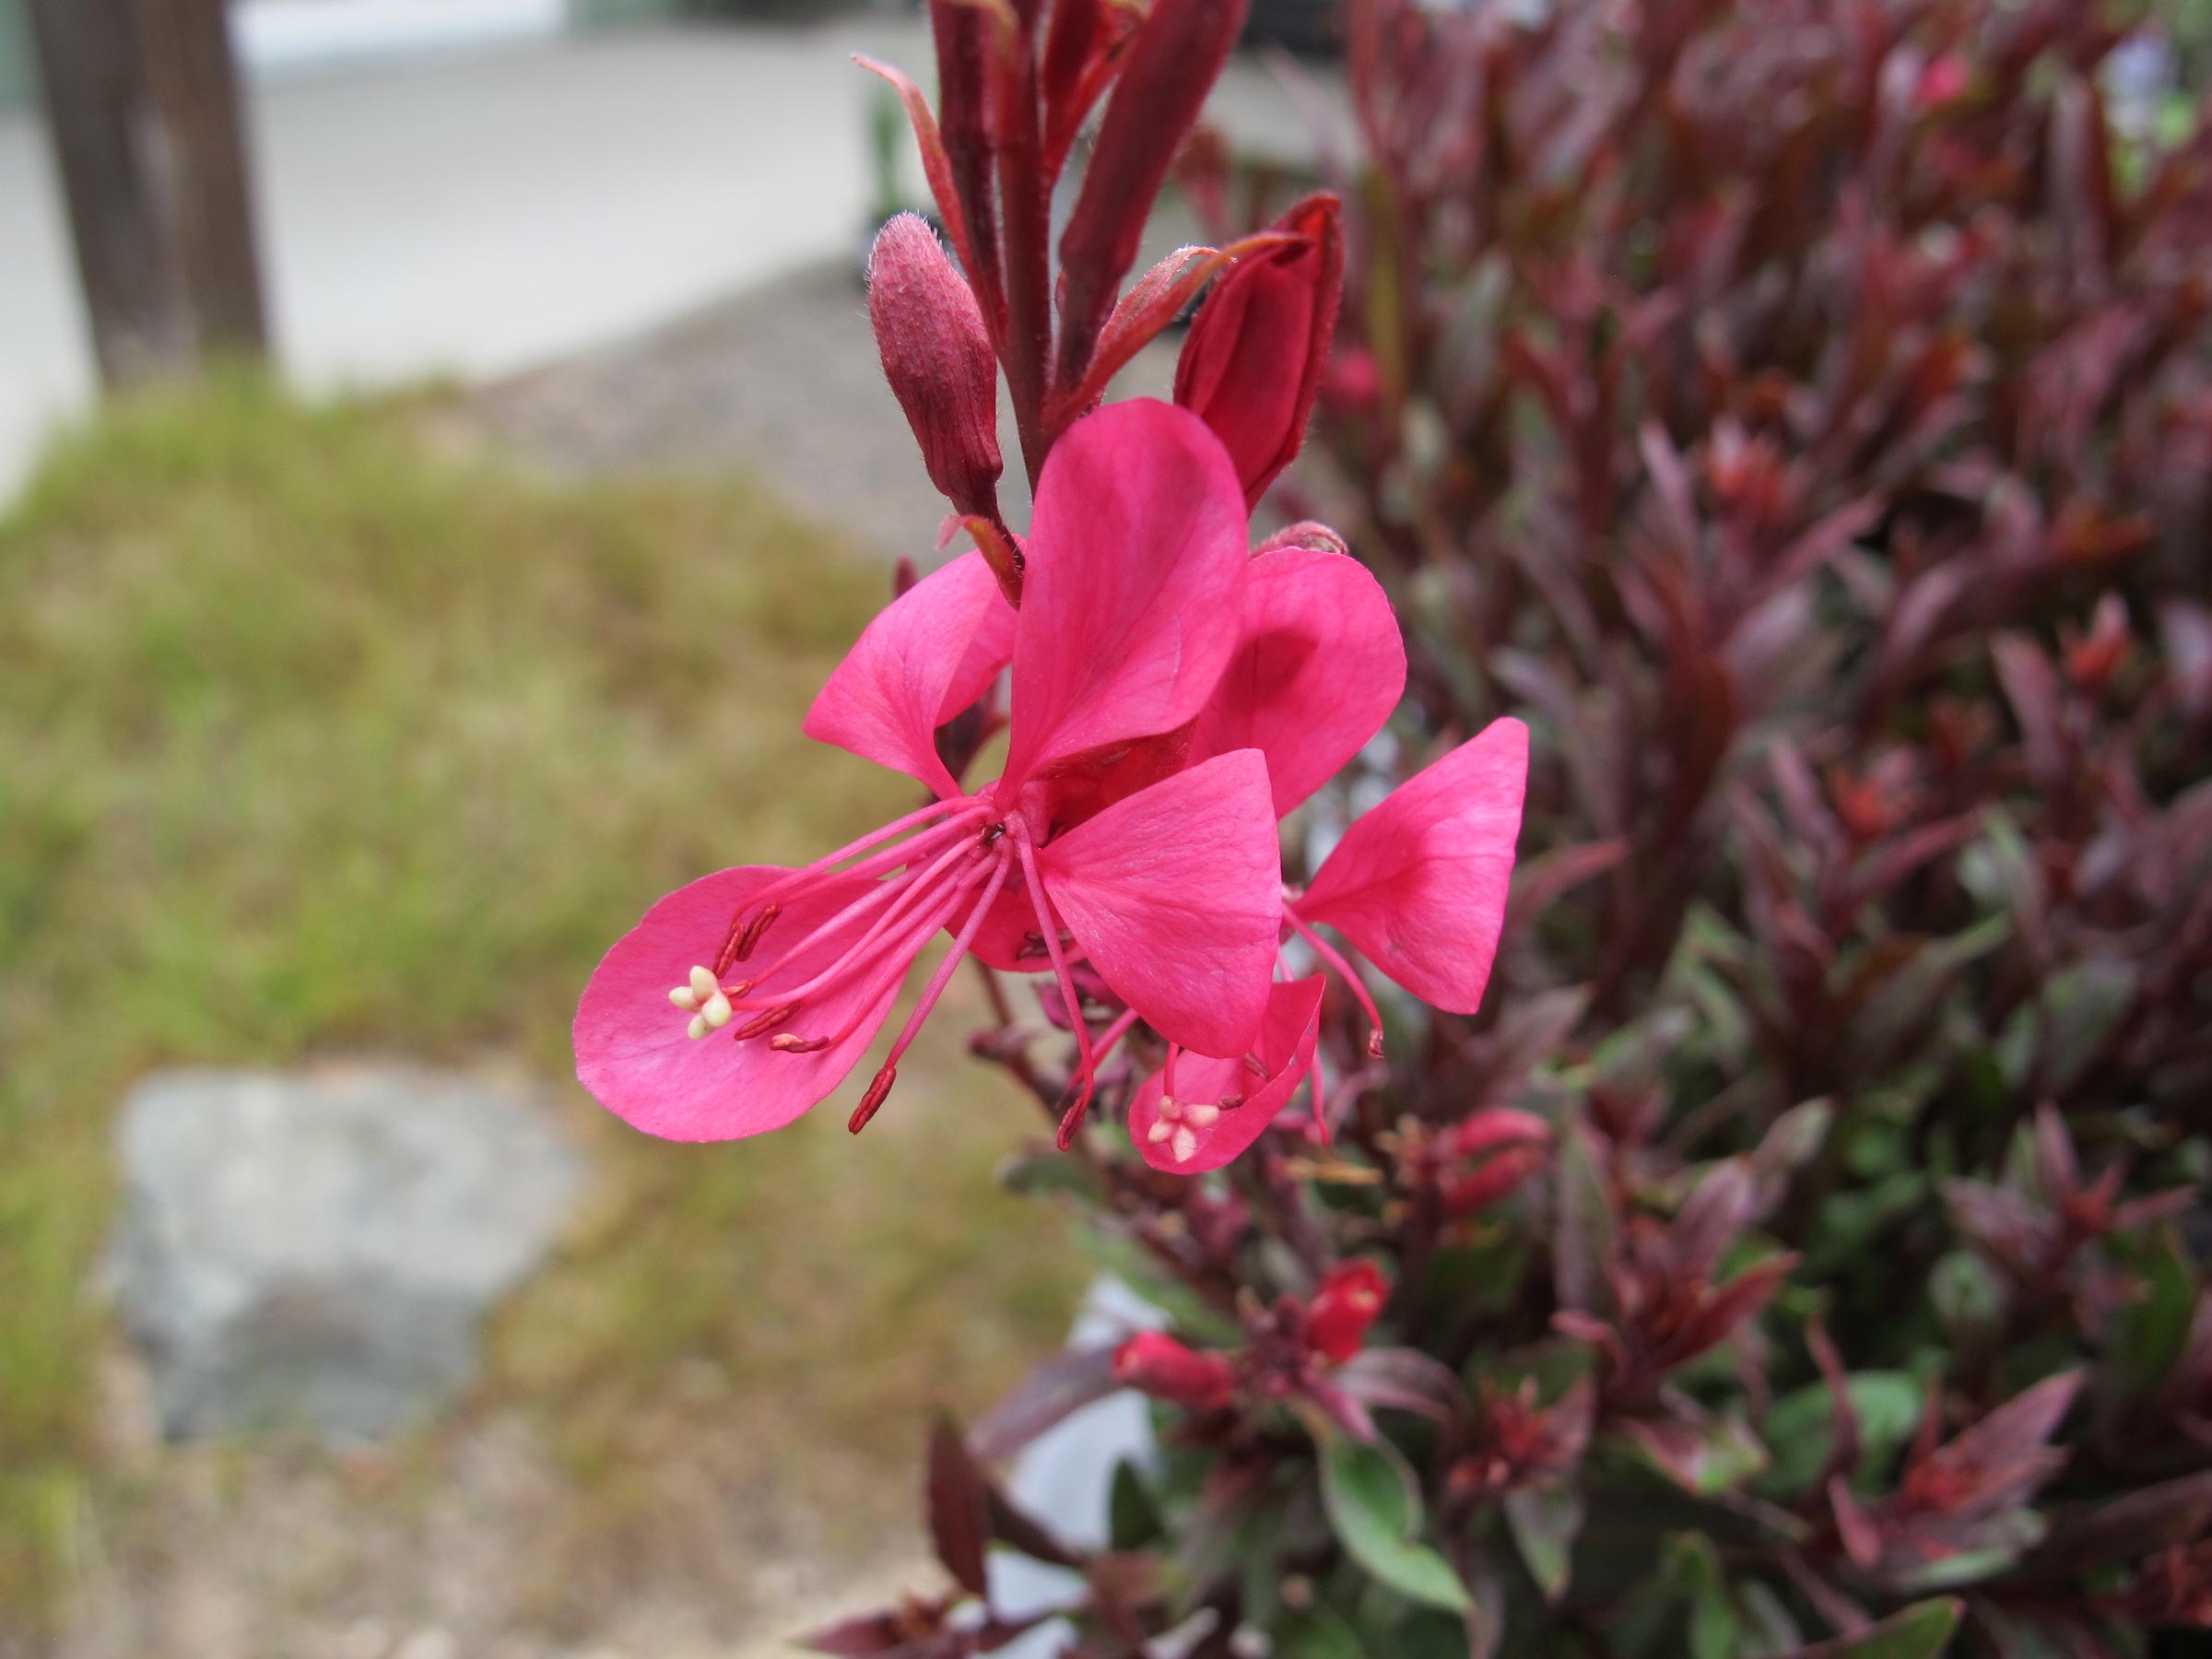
(143, 104)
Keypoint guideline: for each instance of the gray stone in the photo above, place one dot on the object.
(316, 1250)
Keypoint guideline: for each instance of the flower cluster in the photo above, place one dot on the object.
(1168, 691)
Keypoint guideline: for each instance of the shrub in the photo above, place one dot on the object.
(1799, 413)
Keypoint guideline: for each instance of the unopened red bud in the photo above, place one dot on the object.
(1345, 1303)
(937, 354)
(1158, 1365)
(1254, 362)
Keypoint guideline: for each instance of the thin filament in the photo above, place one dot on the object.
(904, 894)
(894, 965)
(1352, 982)
(1112, 1034)
(943, 977)
(1041, 907)
(874, 838)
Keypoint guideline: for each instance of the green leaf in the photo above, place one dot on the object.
(1714, 1632)
(1919, 1633)
(1801, 1429)
(2150, 1332)
(1714, 1454)
(1317, 1633)
(1376, 1510)
(1544, 1521)
(1969, 1298)
(1132, 1519)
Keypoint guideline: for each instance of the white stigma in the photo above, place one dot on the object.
(1178, 1125)
(705, 1001)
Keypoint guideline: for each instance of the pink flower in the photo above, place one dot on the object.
(1164, 876)
(1418, 886)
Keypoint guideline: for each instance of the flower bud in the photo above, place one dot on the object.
(937, 354)
(1158, 1365)
(1346, 1302)
(1256, 356)
(1488, 1156)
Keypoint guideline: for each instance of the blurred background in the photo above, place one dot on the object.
(348, 711)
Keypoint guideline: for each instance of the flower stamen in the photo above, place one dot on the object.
(1352, 982)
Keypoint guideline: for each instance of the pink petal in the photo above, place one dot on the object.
(1285, 1050)
(633, 1054)
(1136, 575)
(925, 657)
(1009, 931)
(1319, 665)
(1418, 885)
(990, 649)
(1175, 894)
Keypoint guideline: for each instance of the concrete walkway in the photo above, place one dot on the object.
(479, 216)
(484, 215)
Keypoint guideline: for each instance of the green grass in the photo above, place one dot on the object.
(316, 740)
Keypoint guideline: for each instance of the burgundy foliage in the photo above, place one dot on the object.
(1800, 414)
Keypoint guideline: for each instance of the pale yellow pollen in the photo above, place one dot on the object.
(706, 1002)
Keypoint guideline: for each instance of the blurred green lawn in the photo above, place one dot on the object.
(321, 736)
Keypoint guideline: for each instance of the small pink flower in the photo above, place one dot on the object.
(1156, 1364)
(1418, 885)
(1199, 1114)
(1348, 1301)
(1170, 887)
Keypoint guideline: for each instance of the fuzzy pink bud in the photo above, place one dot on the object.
(1158, 1365)
(1254, 362)
(937, 354)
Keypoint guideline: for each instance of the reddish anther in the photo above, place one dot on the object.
(878, 1091)
(760, 1025)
